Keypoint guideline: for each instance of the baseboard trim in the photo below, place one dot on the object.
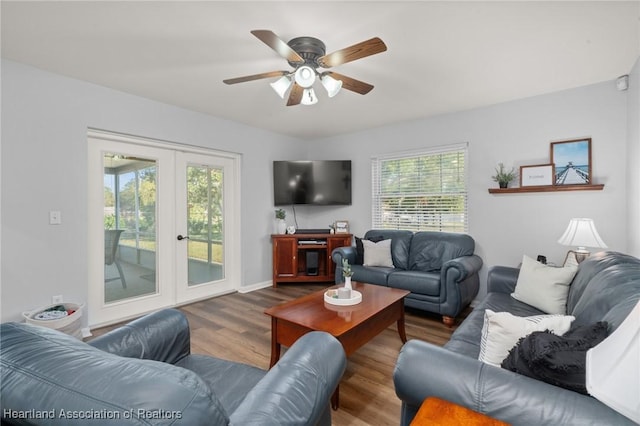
(254, 287)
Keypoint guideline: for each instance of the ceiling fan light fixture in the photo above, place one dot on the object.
(305, 76)
(332, 85)
(281, 85)
(309, 97)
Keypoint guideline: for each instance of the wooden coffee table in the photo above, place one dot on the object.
(352, 325)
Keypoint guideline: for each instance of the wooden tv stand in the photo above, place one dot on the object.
(290, 256)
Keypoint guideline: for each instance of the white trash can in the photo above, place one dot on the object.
(68, 321)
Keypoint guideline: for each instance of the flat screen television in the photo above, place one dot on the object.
(320, 182)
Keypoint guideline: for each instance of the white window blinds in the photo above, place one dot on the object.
(421, 191)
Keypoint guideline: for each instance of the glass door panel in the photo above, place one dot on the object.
(131, 193)
(205, 224)
(206, 261)
(129, 227)
(160, 230)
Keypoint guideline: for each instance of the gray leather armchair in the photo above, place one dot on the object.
(144, 373)
(440, 269)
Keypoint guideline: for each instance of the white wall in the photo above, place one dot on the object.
(633, 161)
(44, 166)
(517, 133)
(45, 119)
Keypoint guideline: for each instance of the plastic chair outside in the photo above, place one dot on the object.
(111, 240)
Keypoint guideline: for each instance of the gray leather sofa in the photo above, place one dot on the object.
(605, 288)
(438, 268)
(144, 373)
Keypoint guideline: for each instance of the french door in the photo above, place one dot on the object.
(161, 228)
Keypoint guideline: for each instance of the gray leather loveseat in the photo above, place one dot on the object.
(144, 374)
(438, 268)
(605, 288)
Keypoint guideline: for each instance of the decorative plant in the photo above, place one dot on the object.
(280, 214)
(346, 268)
(502, 176)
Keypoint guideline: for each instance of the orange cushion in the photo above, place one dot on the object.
(438, 412)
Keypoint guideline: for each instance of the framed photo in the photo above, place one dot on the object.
(572, 162)
(342, 226)
(537, 175)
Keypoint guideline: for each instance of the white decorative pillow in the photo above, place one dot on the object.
(544, 287)
(377, 254)
(501, 331)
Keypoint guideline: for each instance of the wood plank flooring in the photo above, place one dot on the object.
(234, 327)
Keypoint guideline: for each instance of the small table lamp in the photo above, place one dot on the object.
(613, 368)
(582, 233)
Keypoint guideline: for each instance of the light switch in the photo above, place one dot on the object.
(55, 217)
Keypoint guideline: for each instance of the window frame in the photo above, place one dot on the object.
(377, 196)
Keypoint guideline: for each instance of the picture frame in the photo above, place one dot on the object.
(572, 161)
(342, 226)
(537, 175)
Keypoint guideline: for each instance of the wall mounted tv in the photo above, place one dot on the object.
(323, 182)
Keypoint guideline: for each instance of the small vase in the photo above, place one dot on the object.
(347, 283)
(281, 226)
(503, 184)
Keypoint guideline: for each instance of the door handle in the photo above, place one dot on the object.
(180, 237)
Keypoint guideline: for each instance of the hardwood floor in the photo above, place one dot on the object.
(234, 327)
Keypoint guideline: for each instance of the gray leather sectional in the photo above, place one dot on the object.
(605, 288)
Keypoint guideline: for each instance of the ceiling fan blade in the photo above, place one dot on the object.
(255, 77)
(351, 83)
(295, 97)
(351, 53)
(276, 43)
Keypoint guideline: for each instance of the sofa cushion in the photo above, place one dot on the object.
(400, 243)
(558, 360)
(605, 289)
(231, 381)
(430, 250)
(501, 331)
(44, 369)
(377, 254)
(371, 274)
(544, 287)
(416, 282)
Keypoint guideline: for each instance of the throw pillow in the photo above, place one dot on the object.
(544, 287)
(360, 248)
(377, 254)
(501, 331)
(558, 360)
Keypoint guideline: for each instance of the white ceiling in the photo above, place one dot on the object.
(442, 56)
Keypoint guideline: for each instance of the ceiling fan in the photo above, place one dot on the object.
(306, 55)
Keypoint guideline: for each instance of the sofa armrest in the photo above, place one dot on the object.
(465, 266)
(160, 336)
(346, 252)
(298, 388)
(502, 279)
(459, 284)
(424, 370)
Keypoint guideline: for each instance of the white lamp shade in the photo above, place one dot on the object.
(581, 232)
(309, 97)
(613, 368)
(332, 85)
(282, 85)
(305, 76)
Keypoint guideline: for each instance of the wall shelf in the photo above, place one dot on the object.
(547, 188)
